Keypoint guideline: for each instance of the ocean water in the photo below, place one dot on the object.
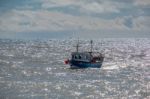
(35, 70)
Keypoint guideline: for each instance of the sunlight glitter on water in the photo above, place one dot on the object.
(35, 70)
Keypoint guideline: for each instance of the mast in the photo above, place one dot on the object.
(77, 46)
(91, 42)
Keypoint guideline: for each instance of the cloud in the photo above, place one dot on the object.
(103, 7)
(142, 2)
(83, 5)
(141, 23)
(27, 20)
(57, 3)
(43, 20)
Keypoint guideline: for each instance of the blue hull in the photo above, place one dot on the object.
(80, 64)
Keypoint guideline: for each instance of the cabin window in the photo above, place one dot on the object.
(75, 57)
(85, 57)
(79, 56)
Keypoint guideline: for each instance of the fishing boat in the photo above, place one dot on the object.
(86, 59)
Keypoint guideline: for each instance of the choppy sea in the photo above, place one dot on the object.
(35, 69)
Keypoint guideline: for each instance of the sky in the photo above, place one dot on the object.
(46, 19)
